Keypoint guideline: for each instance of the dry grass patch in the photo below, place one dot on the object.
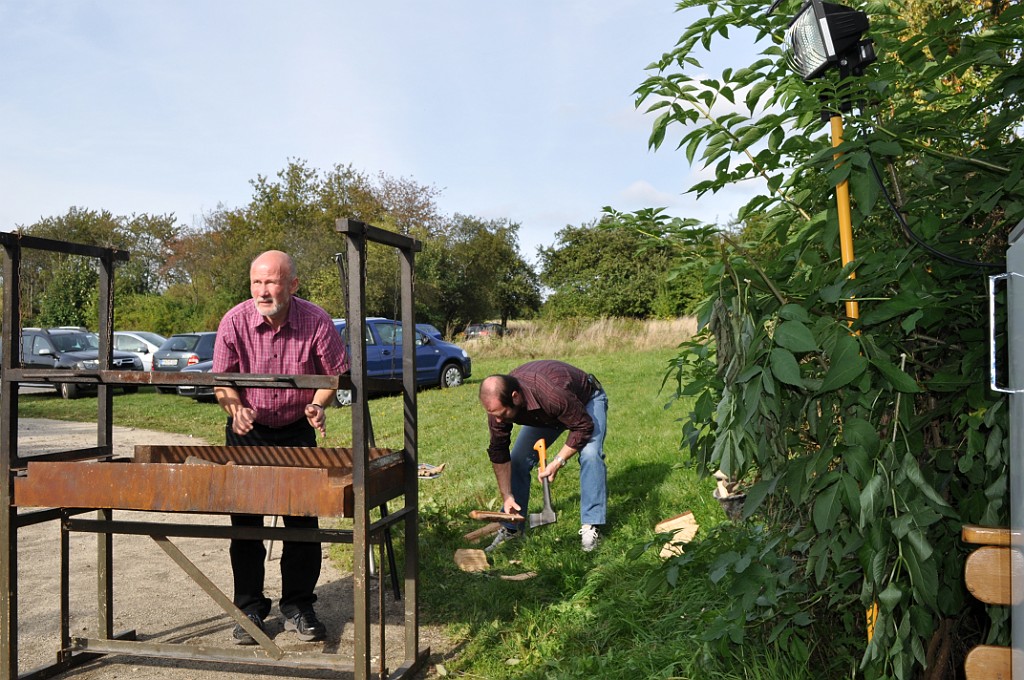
(537, 339)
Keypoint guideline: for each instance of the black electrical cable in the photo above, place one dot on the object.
(909, 233)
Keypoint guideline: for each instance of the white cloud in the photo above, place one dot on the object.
(642, 193)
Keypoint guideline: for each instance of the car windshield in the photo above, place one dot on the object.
(75, 342)
(181, 343)
(152, 338)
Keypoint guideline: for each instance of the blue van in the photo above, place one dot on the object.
(437, 362)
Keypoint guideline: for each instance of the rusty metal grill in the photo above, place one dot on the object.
(209, 480)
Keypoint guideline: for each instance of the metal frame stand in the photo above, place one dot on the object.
(74, 651)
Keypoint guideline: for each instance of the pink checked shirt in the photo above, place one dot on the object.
(306, 344)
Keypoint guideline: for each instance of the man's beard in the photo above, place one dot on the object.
(276, 309)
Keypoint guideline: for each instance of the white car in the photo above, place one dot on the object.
(140, 343)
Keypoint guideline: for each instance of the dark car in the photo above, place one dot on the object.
(198, 392)
(437, 362)
(484, 330)
(183, 350)
(429, 330)
(74, 350)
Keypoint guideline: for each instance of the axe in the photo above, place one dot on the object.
(547, 514)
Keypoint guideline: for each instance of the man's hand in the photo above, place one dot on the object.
(551, 471)
(510, 506)
(242, 420)
(317, 417)
(555, 464)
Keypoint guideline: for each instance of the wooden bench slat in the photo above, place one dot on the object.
(987, 574)
(979, 535)
(988, 662)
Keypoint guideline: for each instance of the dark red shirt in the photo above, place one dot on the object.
(556, 395)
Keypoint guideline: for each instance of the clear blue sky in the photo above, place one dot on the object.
(517, 110)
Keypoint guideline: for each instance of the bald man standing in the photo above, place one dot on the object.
(277, 333)
(546, 398)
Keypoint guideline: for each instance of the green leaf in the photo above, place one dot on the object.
(914, 474)
(923, 574)
(900, 381)
(845, 366)
(785, 367)
(756, 495)
(856, 460)
(890, 597)
(832, 294)
(658, 131)
(852, 495)
(749, 137)
(827, 508)
(754, 94)
(906, 301)
(884, 147)
(793, 312)
(795, 336)
(909, 322)
(870, 501)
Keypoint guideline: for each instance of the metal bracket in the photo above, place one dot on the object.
(993, 380)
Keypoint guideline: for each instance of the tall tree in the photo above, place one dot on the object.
(61, 289)
(594, 271)
(471, 269)
(517, 294)
(296, 211)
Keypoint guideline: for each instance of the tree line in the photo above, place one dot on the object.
(184, 277)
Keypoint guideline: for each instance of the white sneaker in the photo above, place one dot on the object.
(590, 537)
(504, 534)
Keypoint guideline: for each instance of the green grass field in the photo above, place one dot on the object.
(586, 615)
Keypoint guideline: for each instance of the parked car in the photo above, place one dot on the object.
(74, 350)
(437, 362)
(183, 350)
(140, 343)
(484, 330)
(198, 392)
(427, 329)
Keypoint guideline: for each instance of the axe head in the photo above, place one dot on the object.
(547, 514)
(539, 519)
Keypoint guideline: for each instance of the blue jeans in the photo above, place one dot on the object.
(593, 473)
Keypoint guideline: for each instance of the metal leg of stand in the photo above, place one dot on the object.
(373, 564)
(390, 547)
(270, 546)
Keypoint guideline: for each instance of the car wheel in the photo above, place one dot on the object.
(69, 390)
(167, 390)
(451, 375)
(344, 397)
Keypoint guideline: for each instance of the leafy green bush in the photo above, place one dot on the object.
(868, 436)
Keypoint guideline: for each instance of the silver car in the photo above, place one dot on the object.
(140, 343)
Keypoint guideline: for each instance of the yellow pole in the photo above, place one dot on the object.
(846, 249)
(845, 221)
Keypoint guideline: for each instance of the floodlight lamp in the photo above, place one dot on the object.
(824, 34)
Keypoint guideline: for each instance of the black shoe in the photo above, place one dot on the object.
(242, 636)
(306, 625)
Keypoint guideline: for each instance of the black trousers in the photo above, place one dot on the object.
(300, 561)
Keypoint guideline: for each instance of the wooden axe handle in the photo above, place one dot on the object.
(490, 516)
